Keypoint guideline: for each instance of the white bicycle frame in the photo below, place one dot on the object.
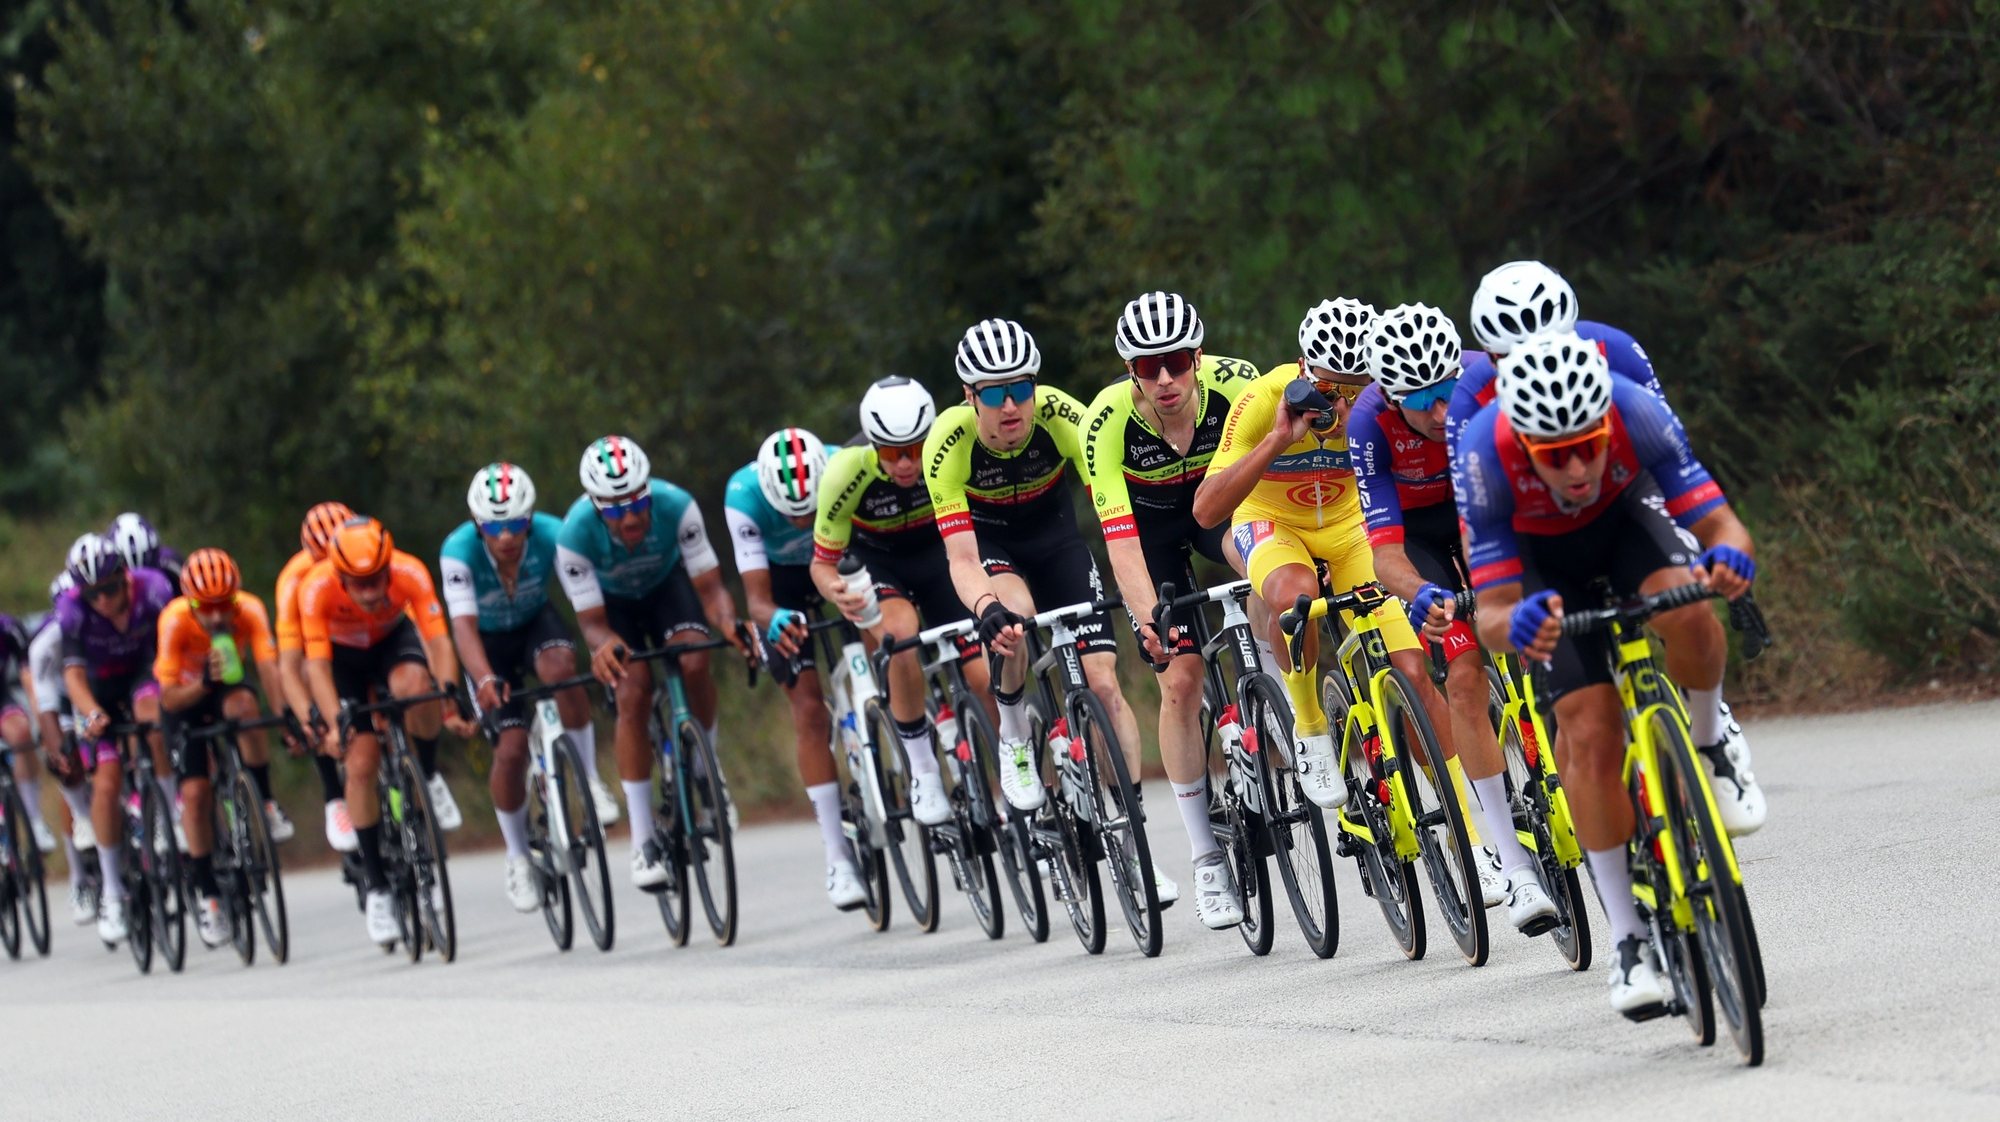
(1236, 628)
(850, 687)
(943, 639)
(543, 733)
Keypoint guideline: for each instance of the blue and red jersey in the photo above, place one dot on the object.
(1396, 468)
(1475, 386)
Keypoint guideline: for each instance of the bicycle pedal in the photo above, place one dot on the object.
(1646, 1013)
(854, 907)
(1541, 926)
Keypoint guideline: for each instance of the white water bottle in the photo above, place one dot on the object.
(1229, 731)
(859, 583)
(949, 738)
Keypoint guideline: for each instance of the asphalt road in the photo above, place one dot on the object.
(1873, 884)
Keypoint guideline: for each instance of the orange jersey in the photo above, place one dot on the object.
(288, 600)
(184, 642)
(329, 617)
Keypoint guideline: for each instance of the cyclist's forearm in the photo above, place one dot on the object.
(291, 674)
(716, 603)
(595, 624)
(319, 680)
(1495, 614)
(757, 597)
(273, 683)
(968, 575)
(826, 577)
(78, 684)
(1134, 580)
(1394, 570)
(1721, 527)
(471, 648)
(444, 660)
(1221, 492)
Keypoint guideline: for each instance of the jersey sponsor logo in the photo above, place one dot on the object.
(951, 440)
(690, 535)
(573, 571)
(1122, 527)
(748, 531)
(1249, 535)
(1319, 492)
(1054, 407)
(458, 578)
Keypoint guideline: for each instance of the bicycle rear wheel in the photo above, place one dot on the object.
(30, 880)
(1438, 817)
(670, 842)
(1240, 832)
(240, 813)
(982, 831)
(909, 841)
(1384, 874)
(711, 849)
(588, 863)
(1721, 930)
(1120, 818)
(160, 861)
(1533, 788)
(1295, 827)
(551, 886)
(435, 918)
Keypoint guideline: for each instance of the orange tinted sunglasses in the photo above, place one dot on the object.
(1555, 453)
(1348, 391)
(891, 452)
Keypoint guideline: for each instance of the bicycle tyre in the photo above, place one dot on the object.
(718, 884)
(670, 841)
(1294, 827)
(138, 901)
(1126, 848)
(233, 832)
(1440, 821)
(1531, 786)
(870, 863)
(585, 845)
(11, 864)
(1384, 874)
(1721, 933)
(984, 831)
(264, 887)
(34, 895)
(1756, 948)
(166, 894)
(436, 919)
(1241, 835)
(551, 887)
(911, 851)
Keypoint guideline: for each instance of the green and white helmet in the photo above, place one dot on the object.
(501, 492)
(789, 465)
(614, 469)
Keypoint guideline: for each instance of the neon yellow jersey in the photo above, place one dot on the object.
(1310, 484)
(1135, 475)
(858, 501)
(969, 481)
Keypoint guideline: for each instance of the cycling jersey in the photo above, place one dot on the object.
(45, 666)
(1396, 468)
(93, 642)
(593, 563)
(288, 600)
(13, 657)
(1499, 495)
(858, 502)
(329, 617)
(970, 482)
(760, 536)
(184, 642)
(472, 585)
(1136, 477)
(1310, 485)
(1621, 352)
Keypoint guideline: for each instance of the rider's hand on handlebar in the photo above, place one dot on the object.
(787, 632)
(1536, 626)
(492, 693)
(1726, 570)
(1000, 629)
(607, 662)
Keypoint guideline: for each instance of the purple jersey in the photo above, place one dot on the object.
(90, 641)
(13, 650)
(1622, 353)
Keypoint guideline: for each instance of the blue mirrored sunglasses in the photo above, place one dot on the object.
(618, 512)
(1429, 396)
(516, 526)
(993, 397)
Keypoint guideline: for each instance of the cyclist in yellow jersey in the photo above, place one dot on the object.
(1147, 441)
(1287, 488)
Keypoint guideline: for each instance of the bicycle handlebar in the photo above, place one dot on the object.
(550, 689)
(1744, 615)
(744, 632)
(1072, 613)
(350, 712)
(1362, 599)
(225, 728)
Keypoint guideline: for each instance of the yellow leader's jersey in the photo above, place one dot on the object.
(1311, 483)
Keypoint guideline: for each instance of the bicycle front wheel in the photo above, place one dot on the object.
(545, 850)
(981, 832)
(160, 861)
(1534, 789)
(1120, 820)
(670, 842)
(240, 813)
(30, 883)
(1239, 830)
(1370, 802)
(16, 833)
(711, 848)
(588, 863)
(1438, 816)
(1296, 829)
(909, 841)
(436, 921)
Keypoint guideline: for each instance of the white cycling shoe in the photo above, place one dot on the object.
(82, 906)
(843, 886)
(648, 871)
(522, 891)
(1738, 799)
(1529, 908)
(382, 929)
(1732, 733)
(282, 829)
(111, 919)
(340, 828)
(928, 803)
(44, 840)
(443, 806)
(1018, 780)
(209, 920)
(1319, 777)
(1492, 883)
(608, 810)
(1637, 988)
(82, 834)
(1216, 902)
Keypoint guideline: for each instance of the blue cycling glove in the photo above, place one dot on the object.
(1527, 619)
(1731, 558)
(781, 619)
(1420, 605)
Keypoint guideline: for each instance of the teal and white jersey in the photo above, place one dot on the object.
(472, 585)
(760, 535)
(593, 564)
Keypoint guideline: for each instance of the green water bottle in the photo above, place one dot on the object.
(232, 659)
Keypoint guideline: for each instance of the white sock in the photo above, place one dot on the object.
(74, 861)
(514, 827)
(1614, 891)
(1014, 720)
(78, 798)
(1192, 799)
(826, 809)
(1705, 716)
(1496, 824)
(107, 867)
(170, 789)
(639, 810)
(917, 746)
(584, 737)
(31, 798)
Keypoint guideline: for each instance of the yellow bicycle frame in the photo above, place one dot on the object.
(1520, 708)
(1362, 649)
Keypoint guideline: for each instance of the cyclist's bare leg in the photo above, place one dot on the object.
(146, 707)
(15, 733)
(553, 664)
(811, 729)
(509, 781)
(1013, 592)
(407, 679)
(698, 674)
(1697, 649)
(1180, 719)
(906, 670)
(107, 818)
(1415, 665)
(1100, 672)
(364, 760)
(629, 739)
(1590, 754)
(197, 806)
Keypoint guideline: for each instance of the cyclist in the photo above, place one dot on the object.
(17, 734)
(1523, 299)
(1569, 477)
(636, 562)
(999, 468)
(1403, 473)
(317, 528)
(498, 570)
(140, 545)
(109, 624)
(53, 726)
(369, 614)
(873, 504)
(1147, 441)
(1283, 478)
(202, 683)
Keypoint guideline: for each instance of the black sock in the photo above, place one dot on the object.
(1002, 697)
(427, 754)
(330, 787)
(371, 856)
(912, 729)
(204, 874)
(261, 775)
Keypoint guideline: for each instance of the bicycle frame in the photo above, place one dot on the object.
(850, 684)
(1362, 656)
(1523, 707)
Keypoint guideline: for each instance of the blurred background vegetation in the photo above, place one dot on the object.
(261, 254)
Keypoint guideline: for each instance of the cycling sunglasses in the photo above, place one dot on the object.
(890, 453)
(1348, 391)
(515, 526)
(618, 512)
(1422, 400)
(1174, 364)
(104, 588)
(1555, 453)
(993, 397)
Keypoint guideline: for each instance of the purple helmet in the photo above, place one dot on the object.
(94, 558)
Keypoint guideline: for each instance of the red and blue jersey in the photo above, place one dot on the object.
(1396, 468)
(1499, 495)
(1623, 353)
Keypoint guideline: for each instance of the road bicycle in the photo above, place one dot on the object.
(413, 853)
(24, 897)
(245, 858)
(150, 870)
(565, 837)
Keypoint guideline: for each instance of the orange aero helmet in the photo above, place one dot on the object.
(360, 547)
(321, 521)
(210, 577)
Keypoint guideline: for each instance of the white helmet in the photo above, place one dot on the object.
(1518, 301)
(93, 558)
(997, 350)
(499, 492)
(63, 583)
(1334, 336)
(135, 539)
(614, 468)
(789, 465)
(1156, 324)
(897, 411)
(1412, 347)
(1554, 385)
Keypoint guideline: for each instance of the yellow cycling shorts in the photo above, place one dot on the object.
(1267, 545)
